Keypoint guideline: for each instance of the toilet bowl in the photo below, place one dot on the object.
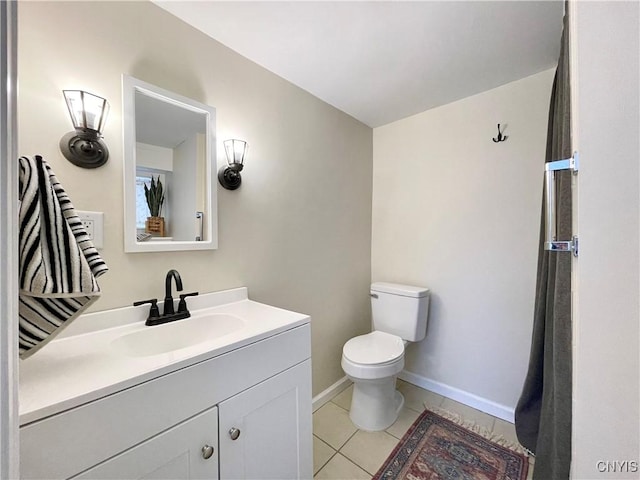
(373, 361)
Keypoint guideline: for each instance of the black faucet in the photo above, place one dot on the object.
(169, 315)
(168, 299)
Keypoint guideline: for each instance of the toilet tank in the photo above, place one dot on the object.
(401, 310)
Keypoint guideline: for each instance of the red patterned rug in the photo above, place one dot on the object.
(435, 448)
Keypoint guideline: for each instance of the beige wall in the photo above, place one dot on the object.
(606, 122)
(460, 214)
(298, 231)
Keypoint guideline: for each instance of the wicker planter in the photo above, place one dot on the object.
(154, 226)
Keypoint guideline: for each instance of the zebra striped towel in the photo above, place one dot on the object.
(58, 262)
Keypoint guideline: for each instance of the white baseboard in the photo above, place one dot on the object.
(328, 393)
(469, 399)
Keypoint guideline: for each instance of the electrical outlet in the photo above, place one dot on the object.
(93, 223)
(88, 226)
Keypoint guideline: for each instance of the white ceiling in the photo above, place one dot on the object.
(165, 124)
(381, 61)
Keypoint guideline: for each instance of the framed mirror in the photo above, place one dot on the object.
(170, 199)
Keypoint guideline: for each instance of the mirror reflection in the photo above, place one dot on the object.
(169, 160)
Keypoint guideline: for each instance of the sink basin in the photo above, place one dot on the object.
(176, 335)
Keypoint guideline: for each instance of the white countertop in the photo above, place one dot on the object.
(82, 365)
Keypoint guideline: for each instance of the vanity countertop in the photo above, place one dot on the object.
(82, 364)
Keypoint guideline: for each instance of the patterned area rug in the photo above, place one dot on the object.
(436, 448)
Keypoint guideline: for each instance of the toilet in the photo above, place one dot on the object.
(373, 361)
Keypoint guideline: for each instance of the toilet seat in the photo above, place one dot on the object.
(373, 356)
(375, 348)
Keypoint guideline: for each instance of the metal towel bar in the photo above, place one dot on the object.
(551, 243)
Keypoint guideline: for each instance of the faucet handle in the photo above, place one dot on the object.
(182, 305)
(154, 312)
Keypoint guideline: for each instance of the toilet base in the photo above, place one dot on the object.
(375, 404)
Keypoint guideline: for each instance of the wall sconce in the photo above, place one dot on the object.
(229, 176)
(84, 147)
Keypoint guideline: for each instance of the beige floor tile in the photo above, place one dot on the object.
(362, 453)
(322, 453)
(369, 450)
(468, 413)
(333, 425)
(405, 420)
(416, 397)
(506, 429)
(339, 468)
(343, 399)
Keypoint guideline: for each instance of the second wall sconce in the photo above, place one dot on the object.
(84, 147)
(229, 176)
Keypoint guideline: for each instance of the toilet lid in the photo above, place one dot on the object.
(374, 348)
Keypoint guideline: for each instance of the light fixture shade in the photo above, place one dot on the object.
(87, 111)
(84, 146)
(235, 150)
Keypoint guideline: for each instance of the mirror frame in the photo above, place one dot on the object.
(130, 86)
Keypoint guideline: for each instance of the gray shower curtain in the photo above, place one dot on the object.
(543, 412)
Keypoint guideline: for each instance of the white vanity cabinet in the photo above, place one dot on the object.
(187, 451)
(162, 427)
(262, 435)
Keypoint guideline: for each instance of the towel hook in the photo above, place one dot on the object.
(500, 137)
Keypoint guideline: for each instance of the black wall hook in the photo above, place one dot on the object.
(500, 137)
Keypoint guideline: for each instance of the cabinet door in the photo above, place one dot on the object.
(175, 454)
(273, 420)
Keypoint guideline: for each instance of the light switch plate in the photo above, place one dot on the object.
(94, 224)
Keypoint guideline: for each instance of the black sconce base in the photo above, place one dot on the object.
(83, 150)
(229, 178)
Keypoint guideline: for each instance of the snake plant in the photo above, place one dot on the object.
(155, 196)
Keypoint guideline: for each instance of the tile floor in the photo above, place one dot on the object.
(341, 451)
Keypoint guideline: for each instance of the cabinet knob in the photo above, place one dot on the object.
(234, 433)
(207, 451)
